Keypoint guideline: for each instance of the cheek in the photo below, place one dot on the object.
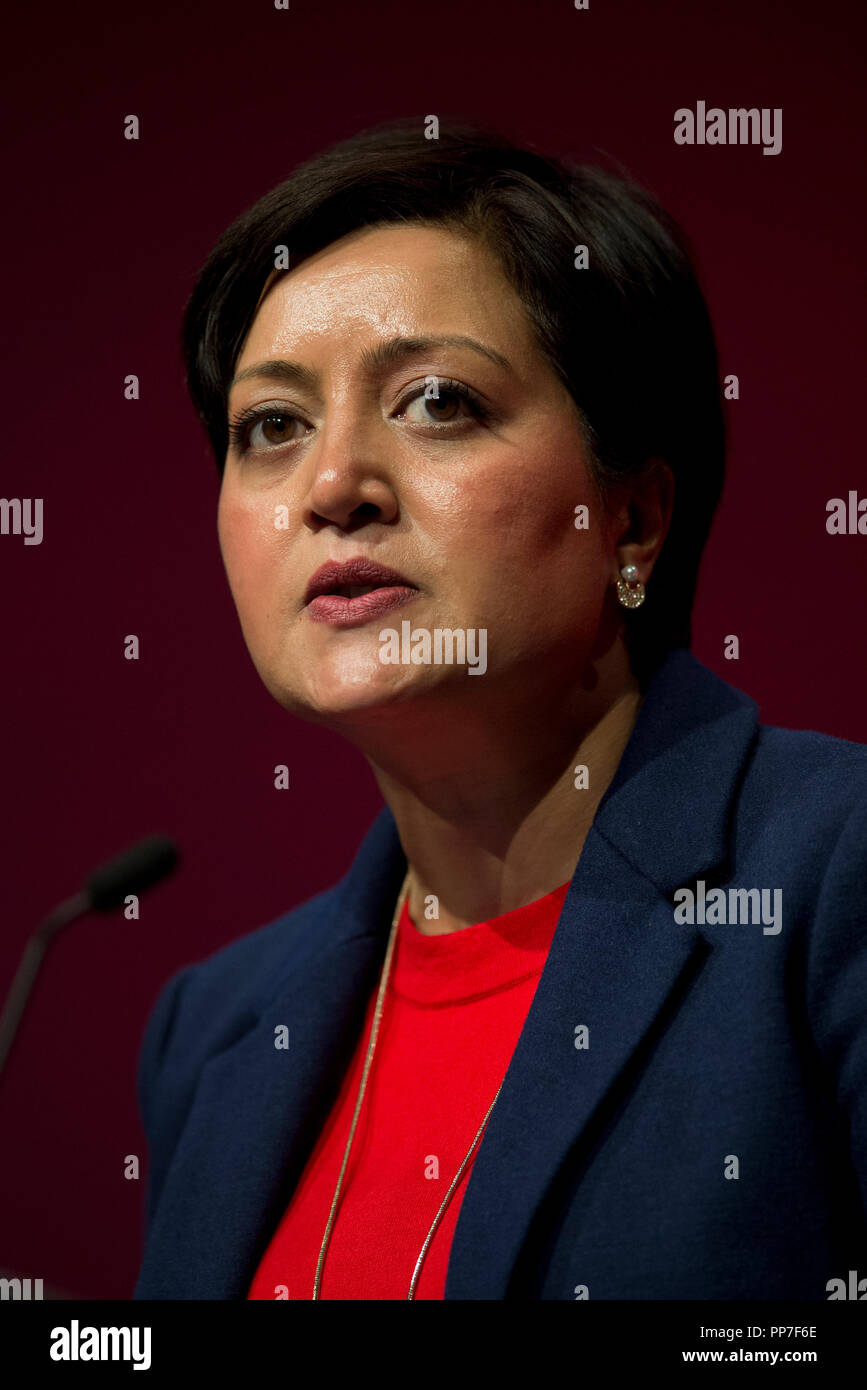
(251, 550)
(516, 518)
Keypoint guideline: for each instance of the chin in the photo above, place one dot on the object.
(333, 701)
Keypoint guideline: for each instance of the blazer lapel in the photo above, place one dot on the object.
(618, 965)
(258, 1110)
(615, 960)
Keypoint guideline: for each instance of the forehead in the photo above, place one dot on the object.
(387, 281)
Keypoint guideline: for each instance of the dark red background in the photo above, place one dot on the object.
(103, 237)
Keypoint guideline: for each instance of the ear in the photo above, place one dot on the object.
(644, 515)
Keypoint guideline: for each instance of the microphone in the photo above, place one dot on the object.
(132, 871)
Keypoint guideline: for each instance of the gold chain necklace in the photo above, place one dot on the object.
(377, 1015)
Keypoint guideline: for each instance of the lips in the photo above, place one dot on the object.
(353, 591)
(344, 578)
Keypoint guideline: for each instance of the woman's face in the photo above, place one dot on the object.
(471, 497)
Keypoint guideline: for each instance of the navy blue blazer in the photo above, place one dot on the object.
(709, 1141)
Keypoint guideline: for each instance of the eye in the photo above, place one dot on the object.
(454, 402)
(262, 427)
(274, 428)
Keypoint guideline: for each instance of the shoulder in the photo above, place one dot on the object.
(800, 825)
(207, 1005)
(210, 1004)
(792, 754)
(803, 787)
(248, 969)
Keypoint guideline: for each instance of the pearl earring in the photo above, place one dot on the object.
(630, 590)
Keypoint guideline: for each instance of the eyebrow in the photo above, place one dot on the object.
(385, 354)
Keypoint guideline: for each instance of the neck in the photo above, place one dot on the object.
(491, 819)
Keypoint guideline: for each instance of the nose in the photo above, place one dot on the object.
(351, 481)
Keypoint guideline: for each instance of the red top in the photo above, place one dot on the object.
(452, 1014)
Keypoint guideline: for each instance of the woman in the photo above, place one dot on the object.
(586, 1017)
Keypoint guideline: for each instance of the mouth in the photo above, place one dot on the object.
(355, 591)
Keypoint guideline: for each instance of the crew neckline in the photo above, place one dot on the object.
(474, 961)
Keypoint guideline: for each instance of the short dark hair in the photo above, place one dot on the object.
(630, 336)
